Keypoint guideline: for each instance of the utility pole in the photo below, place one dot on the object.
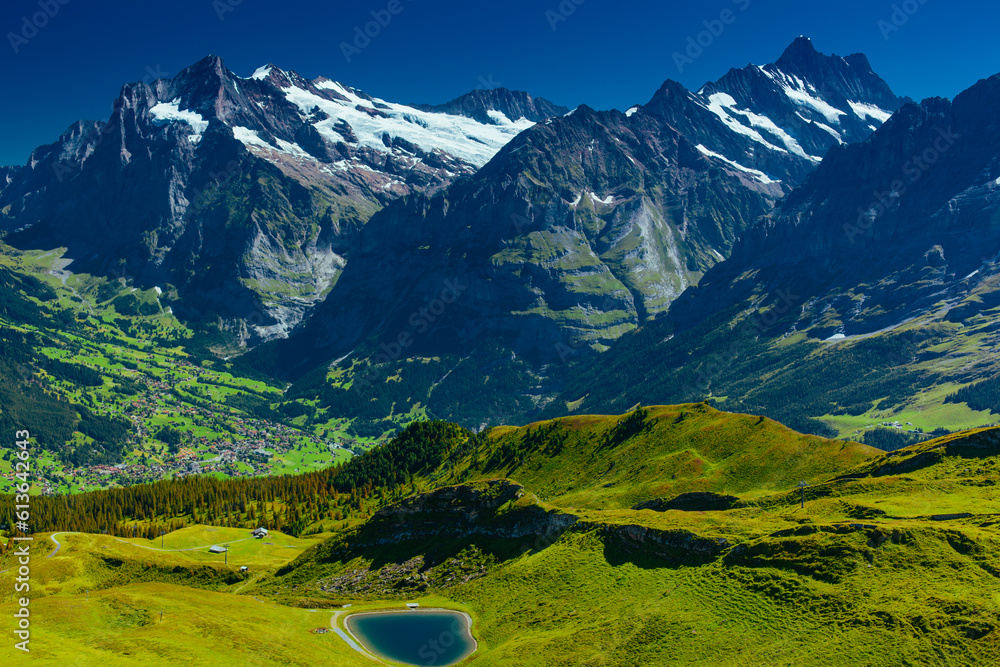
(162, 533)
(802, 486)
(161, 617)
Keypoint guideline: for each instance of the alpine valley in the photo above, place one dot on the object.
(710, 380)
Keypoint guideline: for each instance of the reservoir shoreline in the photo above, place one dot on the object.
(370, 645)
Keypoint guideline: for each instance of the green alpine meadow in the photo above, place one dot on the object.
(686, 357)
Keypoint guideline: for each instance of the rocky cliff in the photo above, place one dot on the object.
(244, 193)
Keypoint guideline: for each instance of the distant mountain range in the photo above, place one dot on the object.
(872, 289)
(244, 193)
(582, 228)
(496, 252)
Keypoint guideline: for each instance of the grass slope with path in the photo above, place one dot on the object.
(892, 561)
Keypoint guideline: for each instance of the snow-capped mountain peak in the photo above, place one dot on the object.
(244, 192)
(326, 131)
(780, 119)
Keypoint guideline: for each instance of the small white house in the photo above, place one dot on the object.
(412, 605)
(216, 549)
(259, 533)
(244, 568)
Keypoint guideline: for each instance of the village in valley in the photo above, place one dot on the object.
(186, 418)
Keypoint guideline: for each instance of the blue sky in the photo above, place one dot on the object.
(606, 53)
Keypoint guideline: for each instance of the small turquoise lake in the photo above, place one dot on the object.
(425, 638)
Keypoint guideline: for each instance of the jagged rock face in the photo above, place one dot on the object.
(243, 192)
(884, 230)
(888, 253)
(586, 225)
(7, 175)
(461, 511)
(578, 230)
(671, 545)
(495, 105)
(248, 194)
(776, 122)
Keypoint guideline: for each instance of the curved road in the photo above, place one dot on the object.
(59, 546)
(348, 639)
(56, 550)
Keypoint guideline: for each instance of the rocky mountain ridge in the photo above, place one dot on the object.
(244, 193)
(583, 227)
(865, 291)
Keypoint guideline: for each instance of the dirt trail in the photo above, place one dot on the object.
(59, 271)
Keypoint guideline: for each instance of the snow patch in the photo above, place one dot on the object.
(631, 111)
(464, 138)
(249, 137)
(724, 106)
(170, 112)
(499, 117)
(759, 175)
(836, 135)
(608, 200)
(863, 111)
(796, 90)
(261, 72)
(293, 149)
(339, 165)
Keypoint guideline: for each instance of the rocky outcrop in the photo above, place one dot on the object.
(670, 545)
(463, 511)
(483, 105)
(584, 227)
(467, 510)
(243, 193)
(903, 221)
(697, 501)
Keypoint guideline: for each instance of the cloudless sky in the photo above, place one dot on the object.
(605, 53)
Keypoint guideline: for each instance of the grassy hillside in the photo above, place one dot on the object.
(117, 391)
(892, 561)
(198, 627)
(775, 356)
(98, 599)
(868, 572)
(618, 461)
